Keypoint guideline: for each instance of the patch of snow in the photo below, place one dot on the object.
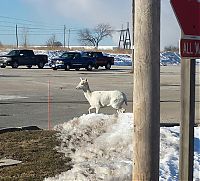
(8, 97)
(122, 59)
(4, 52)
(101, 148)
(8, 162)
(166, 58)
(169, 58)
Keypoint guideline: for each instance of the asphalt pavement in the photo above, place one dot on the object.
(24, 94)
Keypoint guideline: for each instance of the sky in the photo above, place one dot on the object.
(44, 18)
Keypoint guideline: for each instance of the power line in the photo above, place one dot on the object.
(30, 21)
(38, 28)
(6, 30)
(6, 17)
(7, 26)
(41, 28)
(28, 27)
(12, 26)
(31, 34)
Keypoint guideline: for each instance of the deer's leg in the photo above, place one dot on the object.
(89, 110)
(97, 110)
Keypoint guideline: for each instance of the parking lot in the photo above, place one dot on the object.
(29, 88)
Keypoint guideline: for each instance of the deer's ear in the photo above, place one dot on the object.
(81, 78)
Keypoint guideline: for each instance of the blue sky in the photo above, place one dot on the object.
(43, 18)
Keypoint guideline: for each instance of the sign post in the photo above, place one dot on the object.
(187, 119)
(187, 13)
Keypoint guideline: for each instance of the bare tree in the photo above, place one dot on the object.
(52, 42)
(25, 34)
(93, 37)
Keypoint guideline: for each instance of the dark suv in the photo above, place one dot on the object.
(16, 58)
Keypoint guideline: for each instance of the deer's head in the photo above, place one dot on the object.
(83, 84)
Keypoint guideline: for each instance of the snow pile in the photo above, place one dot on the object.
(4, 52)
(122, 59)
(166, 58)
(169, 153)
(101, 149)
(50, 53)
(91, 143)
(169, 58)
(54, 54)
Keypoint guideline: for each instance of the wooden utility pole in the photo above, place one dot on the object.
(133, 19)
(68, 38)
(146, 91)
(64, 36)
(187, 119)
(16, 34)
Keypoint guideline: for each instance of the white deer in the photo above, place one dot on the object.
(98, 99)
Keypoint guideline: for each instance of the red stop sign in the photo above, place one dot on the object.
(188, 15)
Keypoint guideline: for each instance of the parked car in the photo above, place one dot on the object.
(73, 60)
(17, 58)
(84, 59)
(101, 60)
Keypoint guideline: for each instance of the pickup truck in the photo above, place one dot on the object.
(73, 60)
(16, 58)
(101, 60)
(85, 59)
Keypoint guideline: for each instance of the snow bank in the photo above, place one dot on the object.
(166, 58)
(169, 58)
(122, 59)
(101, 149)
(8, 97)
(4, 52)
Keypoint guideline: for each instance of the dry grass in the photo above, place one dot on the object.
(36, 150)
